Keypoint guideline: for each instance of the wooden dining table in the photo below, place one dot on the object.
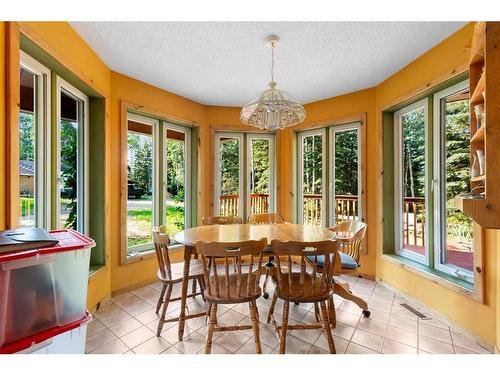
(237, 233)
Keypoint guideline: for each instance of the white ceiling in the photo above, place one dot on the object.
(228, 63)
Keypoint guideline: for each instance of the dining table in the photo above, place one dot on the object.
(241, 232)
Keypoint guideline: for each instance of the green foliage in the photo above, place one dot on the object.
(176, 169)
(346, 162)
(26, 136)
(140, 151)
(259, 166)
(69, 168)
(312, 149)
(414, 154)
(229, 166)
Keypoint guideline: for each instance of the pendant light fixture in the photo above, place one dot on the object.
(273, 108)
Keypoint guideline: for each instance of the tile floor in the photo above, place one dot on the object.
(127, 324)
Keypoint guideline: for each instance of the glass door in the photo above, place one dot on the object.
(260, 173)
(312, 189)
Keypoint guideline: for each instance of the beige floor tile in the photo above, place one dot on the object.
(394, 347)
(402, 312)
(343, 330)
(378, 316)
(435, 333)
(467, 343)
(216, 349)
(99, 339)
(232, 341)
(351, 307)
(249, 348)
(125, 327)
(340, 343)
(191, 344)
(368, 340)
(348, 318)
(107, 309)
(431, 345)
(434, 323)
(230, 318)
(317, 350)
(381, 297)
(137, 308)
(148, 316)
(94, 326)
(459, 350)
(172, 350)
(154, 345)
(137, 337)
(146, 293)
(113, 347)
(403, 323)
(295, 346)
(309, 335)
(354, 348)
(121, 297)
(268, 336)
(171, 334)
(382, 289)
(372, 326)
(402, 336)
(116, 318)
(380, 306)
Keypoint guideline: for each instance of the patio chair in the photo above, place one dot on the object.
(225, 287)
(172, 273)
(306, 285)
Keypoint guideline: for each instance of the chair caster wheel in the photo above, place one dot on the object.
(266, 295)
(366, 313)
(296, 303)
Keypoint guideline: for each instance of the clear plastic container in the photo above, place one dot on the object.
(45, 288)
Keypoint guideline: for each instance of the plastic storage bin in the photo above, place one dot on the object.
(45, 288)
(68, 339)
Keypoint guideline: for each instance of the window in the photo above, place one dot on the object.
(33, 143)
(454, 249)
(158, 180)
(236, 163)
(330, 193)
(410, 184)
(72, 157)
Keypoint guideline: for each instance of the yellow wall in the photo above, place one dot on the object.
(480, 319)
(60, 40)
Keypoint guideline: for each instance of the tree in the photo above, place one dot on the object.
(26, 136)
(414, 154)
(346, 162)
(176, 169)
(69, 168)
(259, 166)
(229, 166)
(141, 170)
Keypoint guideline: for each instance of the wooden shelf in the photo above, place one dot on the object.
(479, 210)
(478, 43)
(478, 135)
(478, 178)
(477, 96)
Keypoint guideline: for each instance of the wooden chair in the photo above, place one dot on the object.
(222, 220)
(306, 285)
(224, 287)
(354, 232)
(170, 274)
(269, 218)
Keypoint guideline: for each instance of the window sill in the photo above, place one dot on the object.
(456, 284)
(149, 254)
(96, 270)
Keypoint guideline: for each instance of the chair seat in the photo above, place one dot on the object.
(302, 294)
(195, 270)
(231, 294)
(347, 261)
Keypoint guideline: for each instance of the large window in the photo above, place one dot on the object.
(33, 143)
(432, 165)
(329, 194)
(236, 163)
(410, 188)
(72, 157)
(158, 180)
(454, 249)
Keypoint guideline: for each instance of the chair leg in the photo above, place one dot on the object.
(255, 325)
(164, 311)
(194, 288)
(316, 311)
(202, 288)
(210, 328)
(160, 300)
(284, 324)
(271, 309)
(332, 313)
(326, 327)
(342, 291)
(265, 294)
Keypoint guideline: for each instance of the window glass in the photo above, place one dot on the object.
(312, 179)
(259, 175)
(229, 178)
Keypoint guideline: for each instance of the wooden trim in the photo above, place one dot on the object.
(148, 111)
(25, 29)
(12, 101)
(357, 117)
(459, 69)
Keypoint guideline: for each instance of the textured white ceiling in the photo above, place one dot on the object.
(228, 63)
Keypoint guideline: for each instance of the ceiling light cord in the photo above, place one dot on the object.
(272, 62)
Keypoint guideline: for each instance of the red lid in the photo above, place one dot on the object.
(27, 342)
(69, 239)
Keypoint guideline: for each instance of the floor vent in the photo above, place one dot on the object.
(415, 311)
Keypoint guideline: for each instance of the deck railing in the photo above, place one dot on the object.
(346, 208)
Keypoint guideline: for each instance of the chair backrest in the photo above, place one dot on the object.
(270, 218)
(327, 251)
(354, 229)
(161, 241)
(217, 280)
(222, 220)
